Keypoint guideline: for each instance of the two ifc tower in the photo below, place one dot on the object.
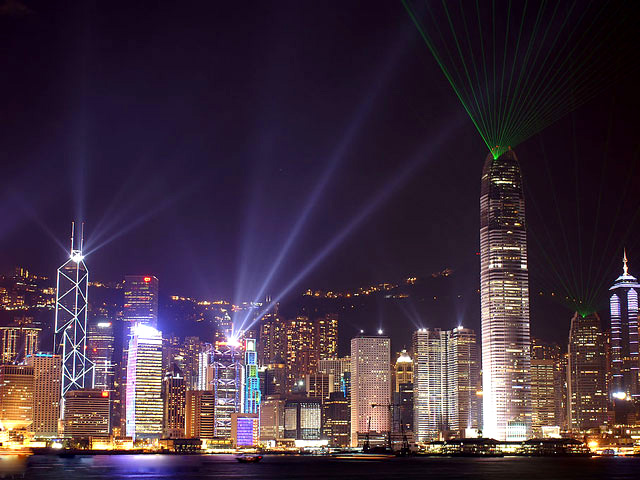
(71, 320)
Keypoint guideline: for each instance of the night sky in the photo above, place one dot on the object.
(192, 137)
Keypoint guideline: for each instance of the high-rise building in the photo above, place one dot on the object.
(336, 420)
(548, 377)
(303, 418)
(273, 339)
(16, 396)
(327, 336)
(70, 339)
(191, 348)
(245, 429)
(174, 399)
(504, 298)
(252, 394)
(319, 385)
(586, 374)
(47, 375)
(144, 383)
(272, 418)
(275, 378)
(370, 385)
(445, 378)
(17, 342)
(301, 352)
(227, 385)
(141, 300)
(340, 368)
(100, 350)
(200, 413)
(87, 414)
(625, 360)
(403, 394)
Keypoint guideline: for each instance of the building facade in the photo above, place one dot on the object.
(504, 297)
(174, 399)
(16, 397)
(141, 300)
(87, 414)
(200, 414)
(47, 375)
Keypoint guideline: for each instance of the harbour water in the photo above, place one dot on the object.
(114, 467)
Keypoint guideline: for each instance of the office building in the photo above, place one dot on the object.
(47, 377)
(245, 430)
(174, 399)
(586, 374)
(370, 385)
(272, 418)
(340, 368)
(319, 385)
(301, 352)
(336, 420)
(504, 300)
(303, 418)
(144, 383)
(200, 414)
(227, 385)
(625, 360)
(252, 394)
(275, 378)
(18, 342)
(87, 414)
(273, 339)
(547, 387)
(326, 336)
(402, 411)
(100, 350)
(16, 397)
(141, 300)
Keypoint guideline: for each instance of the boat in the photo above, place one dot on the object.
(246, 458)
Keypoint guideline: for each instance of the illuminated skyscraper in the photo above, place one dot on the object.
(47, 375)
(340, 368)
(370, 385)
(548, 377)
(327, 336)
(273, 339)
(100, 349)
(200, 413)
(72, 289)
(586, 374)
(625, 360)
(141, 300)
(17, 342)
(16, 396)
(144, 383)
(227, 385)
(252, 393)
(174, 398)
(464, 377)
(301, 352)
(504, 297)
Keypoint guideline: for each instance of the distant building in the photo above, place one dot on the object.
(141, 300)
(302, 356)
(17, 342)
(326, 329)
(16, 396)
(303, 419)
(340, 368)
(47, 377)
(625, 359)
(370, 385)
(586, 374)
(200, 414)
(403, 394)
(100, 348)
(336, 420)
(504, 300)
(245, 429)
(174, 399)
(319, 385)
(144, 383)
(273, 339)
(87, 414)
(272, 418)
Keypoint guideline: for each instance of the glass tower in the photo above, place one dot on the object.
(504, 297)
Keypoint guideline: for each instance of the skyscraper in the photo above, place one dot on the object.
(227, 385)
(336, 420)
(17, 342)
(273, 339)
(174, 399)
(47, 375)
(144, 383)
(252, 394)
(141, 300)
(87, 414)
(200, 413)
(403, 394)
(548, 391)
(301, 352)
(625, 360)
(327, 336)
(504, 297)
(586, 374)
(370, 385)
(340, 368)
(100, 349)
(16, 396)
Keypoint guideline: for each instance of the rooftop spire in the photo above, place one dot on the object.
(625, 269)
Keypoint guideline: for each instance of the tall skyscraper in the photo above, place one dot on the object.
(445, 378)
(141, 300)
(144, 383)
(200, 413)
(17, 342)
(72, 291)
(252, 394)
(100, 350)
(174, 399)
(327, 336)
(548, 380)
(625, 360)
(227, 385)
(273, 339)
(586, 374)
(370, 385)
(301, 352)
(504, 297)
(403, 394)
(47, 375)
